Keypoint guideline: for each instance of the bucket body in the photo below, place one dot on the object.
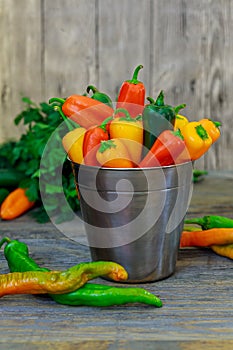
(135, 216)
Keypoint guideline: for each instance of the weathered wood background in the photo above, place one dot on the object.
(56, 48)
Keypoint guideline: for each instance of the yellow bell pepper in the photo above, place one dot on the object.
(114, 154)
(197, 139)
(73, 144)
(180, 122)
(130, 131)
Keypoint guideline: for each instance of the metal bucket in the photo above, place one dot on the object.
(135, 216)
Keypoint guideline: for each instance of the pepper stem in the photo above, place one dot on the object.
(151, 100)
(160, 99)
(122, 110)
(202, 132)
(135, 80)
(92, 88)
(57, 99)
(178, 108)
(67, 122)
(217, 124)
(5, 240)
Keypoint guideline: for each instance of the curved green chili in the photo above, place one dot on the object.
(89, 294)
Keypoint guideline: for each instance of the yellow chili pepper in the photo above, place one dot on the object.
(73, 144)
(113, 154)
(130, 131)
(211, 127)
(197, 139)
(180, 122)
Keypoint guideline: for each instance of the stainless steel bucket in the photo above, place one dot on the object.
(135, 216)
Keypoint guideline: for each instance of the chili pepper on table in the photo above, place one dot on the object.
(130, 131)
(58, 282)
(211, 221)
(15, 204)
(157, 117)
(223, 250)
(113, 154)
(92, 139)
(73, 144)
(99, 96)
(165, 150)
(207, 238)
(91, 294)
(132, 94)
(84, 110)
(212, 128)
(197, 139)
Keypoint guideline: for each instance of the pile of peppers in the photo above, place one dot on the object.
(68, 287)
(132, 133)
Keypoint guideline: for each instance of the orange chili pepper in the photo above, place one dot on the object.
(15, 204)
(58, 282)
(206, 238)
(84, 110)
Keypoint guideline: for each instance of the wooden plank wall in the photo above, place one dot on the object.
(56, 48)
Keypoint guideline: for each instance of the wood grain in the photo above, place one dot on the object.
(57, 48)
(197, 311)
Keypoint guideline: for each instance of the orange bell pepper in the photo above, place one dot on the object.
(113, 154)
(212, 128)
(15, 204)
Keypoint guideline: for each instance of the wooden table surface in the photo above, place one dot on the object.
(198, 298)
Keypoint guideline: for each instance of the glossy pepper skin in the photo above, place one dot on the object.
(55, 282)
(130, 131)
(157, 117)
(165, 150)
(91, 294)
(73, 144)
(212, 128)
(114, 154)
(92, 139)
(15, 204)
(197, 139)
(99, 96)
(132, 95)
(84, 110)
(180, 122)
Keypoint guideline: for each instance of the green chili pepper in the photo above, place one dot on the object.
(89, 294)
(102, 295)
(99, 96)
(211, 221)
(158, 117)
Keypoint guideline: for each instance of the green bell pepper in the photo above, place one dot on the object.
(158, 117)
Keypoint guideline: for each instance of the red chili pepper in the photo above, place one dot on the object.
(84, 110)
(132, 95)
(165, 150)
(92, 139)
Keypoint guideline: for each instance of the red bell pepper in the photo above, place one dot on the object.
(132, 95)
(165, 150)
(92, 139)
